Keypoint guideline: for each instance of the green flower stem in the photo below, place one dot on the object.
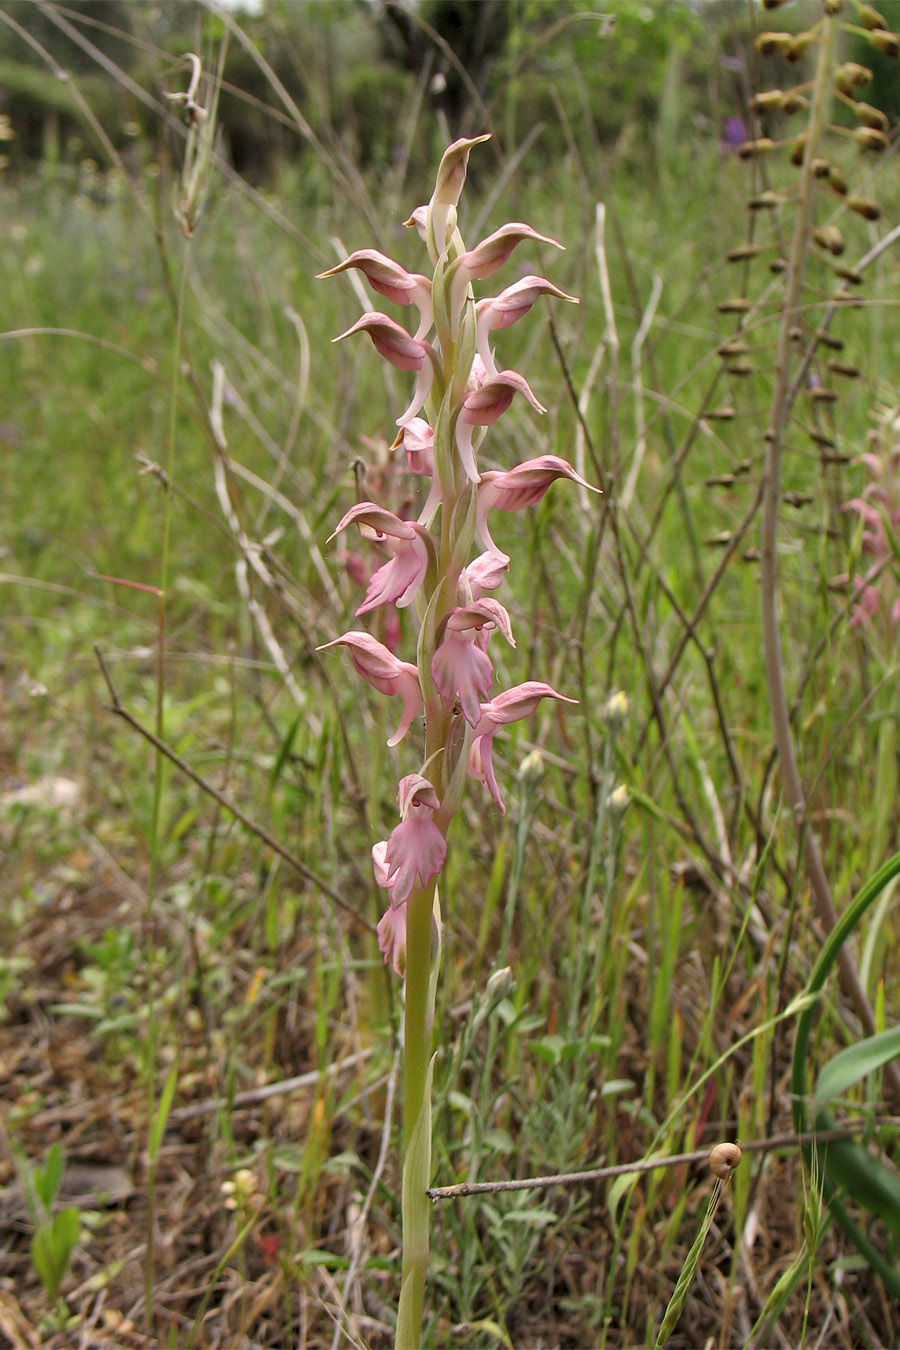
(418, 1019)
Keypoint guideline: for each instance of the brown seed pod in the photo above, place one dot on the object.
(869, 210)
(871, 117)
(769, 43)
(736, 306)
(836, 181)
(830, 238)
(766, 201)
(744, 252)
(763, 145)
(870, 18)
(870, 139)
(851, 75)
(767, 101)
(723, 414)
(724, 1159)
(886, 43)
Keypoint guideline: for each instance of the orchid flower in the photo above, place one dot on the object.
(505, 308)
(461, 668)
(483, 260)
(483, 406)
(399, 580)
(392, 281)
(416, 848)
(510, 706)
(379, 666)
(417, 439)
(518, 488)
(406, 353)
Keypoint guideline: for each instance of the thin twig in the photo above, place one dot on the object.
(644, 1165)
(253, 826)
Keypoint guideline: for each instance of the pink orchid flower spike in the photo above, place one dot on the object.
(505, 308)
(416, 848)
(392, 281)
(384, 671)
(515, 489)
(483, 406)
(510, 706)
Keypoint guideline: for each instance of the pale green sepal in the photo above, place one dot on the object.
(445, 445)
(426, 646)
(457, 754)
(463, 528)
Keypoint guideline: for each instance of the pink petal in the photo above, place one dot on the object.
(391, 932)
(460, 669)
(416, 851)
(398, 581)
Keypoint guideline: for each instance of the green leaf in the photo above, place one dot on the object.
(867, 1180)
(856, 1062)
(52, 1246)
(162, 1111)
(48, 1177)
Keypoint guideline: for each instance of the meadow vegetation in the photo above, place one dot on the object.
(198, 1038)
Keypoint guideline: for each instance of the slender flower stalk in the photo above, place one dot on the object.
(459, 392)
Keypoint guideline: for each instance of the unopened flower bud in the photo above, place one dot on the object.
(766, 201)
(738, 305)
(618, 802)
(531, 770)
(616, 709)
(886, 43)
(821, 168)
(499, 986)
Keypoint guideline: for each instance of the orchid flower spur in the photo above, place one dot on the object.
(510, 706)
(517, 488)
(458, 394)
(504, 309)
